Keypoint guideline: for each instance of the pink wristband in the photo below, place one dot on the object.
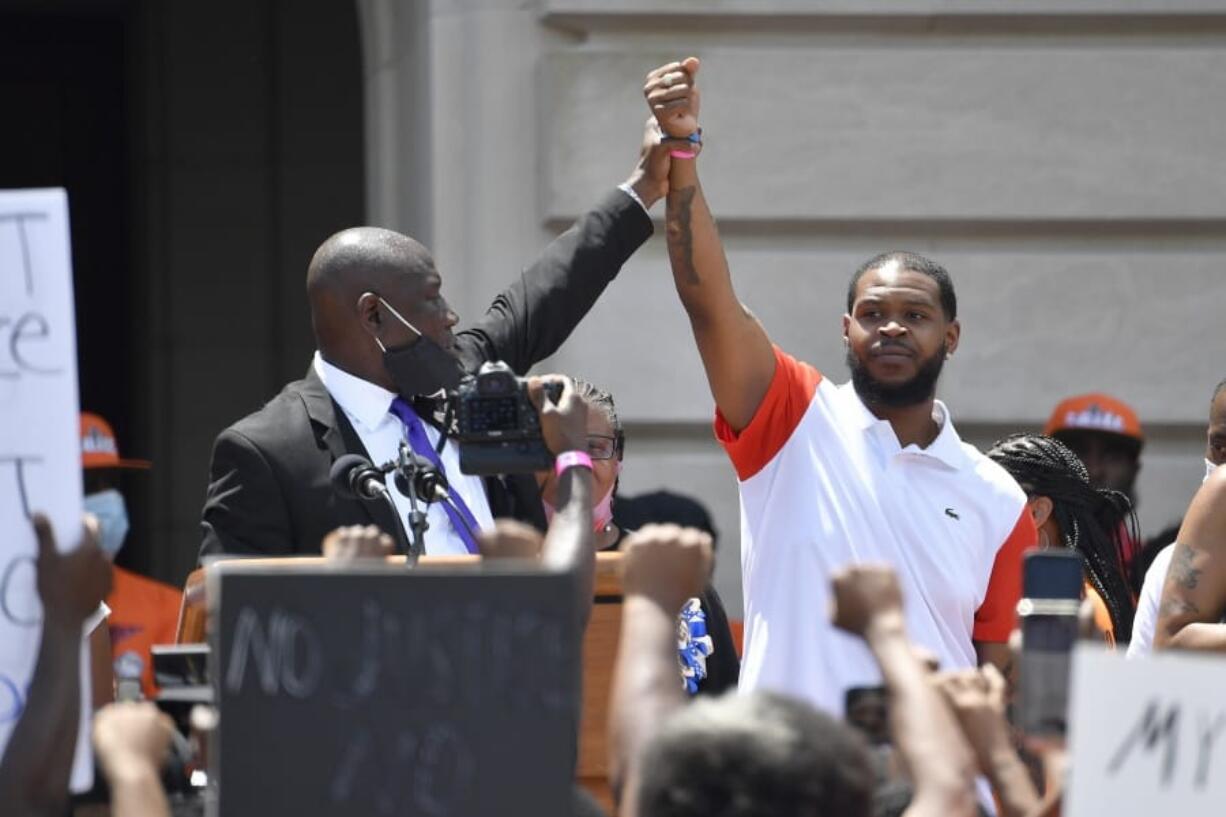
(682, 154)
(569, 459)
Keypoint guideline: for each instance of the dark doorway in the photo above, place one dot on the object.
(207, 149)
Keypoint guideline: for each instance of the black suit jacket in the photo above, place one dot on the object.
(269, 492)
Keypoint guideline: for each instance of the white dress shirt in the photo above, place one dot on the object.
(368, 408)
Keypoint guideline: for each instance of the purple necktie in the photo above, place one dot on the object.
(456, 510)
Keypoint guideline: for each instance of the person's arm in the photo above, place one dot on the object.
(977, 698)
(1194, 594)
(663, 566)
(37, 764)
(568, 543)
(735, 350)
(132, 741)
(868, 603)
(540, 309)
(244, 510)
(996, 618)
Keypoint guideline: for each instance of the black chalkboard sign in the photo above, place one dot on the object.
(377, 690)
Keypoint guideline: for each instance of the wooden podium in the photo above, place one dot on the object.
(599, 650)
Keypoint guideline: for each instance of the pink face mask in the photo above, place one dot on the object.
(602, 512)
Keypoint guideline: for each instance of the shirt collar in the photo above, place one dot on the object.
(947, 447)
(365, 402)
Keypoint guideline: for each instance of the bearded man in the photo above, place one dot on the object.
(832, 475)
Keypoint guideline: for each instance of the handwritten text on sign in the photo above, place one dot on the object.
(1148, 736)
(40, 453)
(395, 692)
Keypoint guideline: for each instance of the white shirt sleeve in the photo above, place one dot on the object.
(629, 191)
(1146, 620)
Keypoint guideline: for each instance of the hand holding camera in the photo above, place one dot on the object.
(563, 414)
(501, 421)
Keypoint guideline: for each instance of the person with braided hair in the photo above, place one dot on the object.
(1070, 512)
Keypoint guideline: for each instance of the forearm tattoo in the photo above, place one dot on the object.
(680, 233)
(1181, 576)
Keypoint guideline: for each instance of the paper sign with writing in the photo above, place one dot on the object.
(40, 449)
(380, 690)
(1149, 736)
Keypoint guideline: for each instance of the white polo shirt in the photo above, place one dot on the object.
(824, 483)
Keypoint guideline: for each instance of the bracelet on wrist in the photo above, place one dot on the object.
(570, 459)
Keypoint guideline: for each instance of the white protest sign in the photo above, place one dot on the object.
(40, 447)
(1148, 737)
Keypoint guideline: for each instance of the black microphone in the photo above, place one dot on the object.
(429, 483)
(354, 477)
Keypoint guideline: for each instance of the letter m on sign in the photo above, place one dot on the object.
(1155, 727)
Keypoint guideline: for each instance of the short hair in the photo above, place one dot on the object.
(593, 395)
(914, 262)
(1218, 390)
(755, 755)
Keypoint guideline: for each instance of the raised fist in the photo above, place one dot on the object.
(667, 563)
(73, 584)
(863, 594)
(673, 97)
(131, 735)
(357, 542)
(510, 539)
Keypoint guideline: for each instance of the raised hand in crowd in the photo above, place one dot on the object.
(510, 539)
(132, 741)
(37, 762)
(357, 542)
(663, 565)
(868, 603)
(977, 698)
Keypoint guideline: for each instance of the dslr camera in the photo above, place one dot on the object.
(498, 428)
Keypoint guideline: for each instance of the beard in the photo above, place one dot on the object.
(921, 387)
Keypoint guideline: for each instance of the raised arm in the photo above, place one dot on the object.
(132, 741)
(568, 542)
(37, 762)
(664, 565)
(868, 603)
(735, 349)
(533, 316)
(977, 698)
(1194, 595)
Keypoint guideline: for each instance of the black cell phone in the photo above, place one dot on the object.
(1051, 595)
(1052, 574)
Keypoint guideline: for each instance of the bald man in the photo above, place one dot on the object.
(386, 346)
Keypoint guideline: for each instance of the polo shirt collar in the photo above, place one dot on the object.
(367, 403)
(946, 448)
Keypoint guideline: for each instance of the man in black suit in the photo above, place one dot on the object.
(384, 336)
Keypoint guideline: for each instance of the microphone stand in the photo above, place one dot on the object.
(402, 538)
(417, 517)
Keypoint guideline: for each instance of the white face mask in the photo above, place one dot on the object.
(1209, 469)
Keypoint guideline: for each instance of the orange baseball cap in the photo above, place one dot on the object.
(1095, 412)
(98, 446)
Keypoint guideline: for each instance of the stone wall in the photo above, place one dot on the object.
(1065, 160)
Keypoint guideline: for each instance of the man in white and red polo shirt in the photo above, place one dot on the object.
(867, 471)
